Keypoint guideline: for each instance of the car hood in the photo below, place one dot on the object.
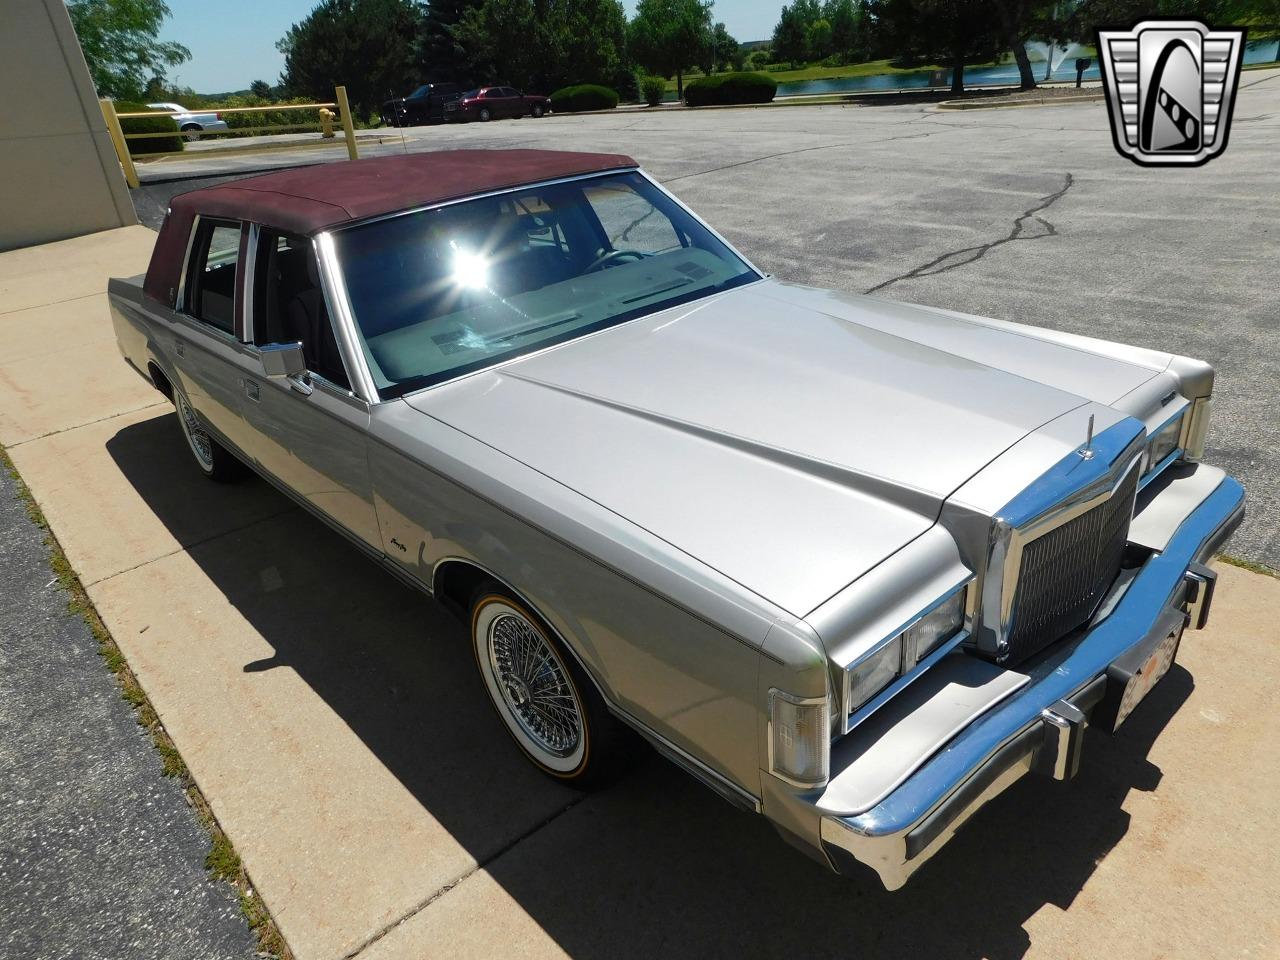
(789, 438)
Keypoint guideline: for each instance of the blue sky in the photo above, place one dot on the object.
(232, 42)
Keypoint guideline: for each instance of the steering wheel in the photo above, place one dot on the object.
(610, 256)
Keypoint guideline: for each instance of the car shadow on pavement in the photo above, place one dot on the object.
(656, 865)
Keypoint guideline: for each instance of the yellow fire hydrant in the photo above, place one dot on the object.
(326, 123)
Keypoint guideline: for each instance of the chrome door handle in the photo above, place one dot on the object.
(300, 384)
(251, 390)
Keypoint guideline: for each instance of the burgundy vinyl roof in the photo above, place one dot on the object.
(306, 200)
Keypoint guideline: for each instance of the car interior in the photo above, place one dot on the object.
(289, 304)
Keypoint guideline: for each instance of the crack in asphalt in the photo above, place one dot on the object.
(969, 255)
(790, 153)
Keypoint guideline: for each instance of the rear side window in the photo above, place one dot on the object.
(215, 264)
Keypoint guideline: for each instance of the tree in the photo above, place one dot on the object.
(439, 53)
(121, 44)
(846, 19)
(366, 45)
(790, 36)
(667, 36)
(262, 89)
(945, 31)
(727, 50)
(818, 38)
(545, 44)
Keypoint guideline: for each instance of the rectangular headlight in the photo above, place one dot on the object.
(873, 673)
(938, 625)
(1163, 442)
(799, 738)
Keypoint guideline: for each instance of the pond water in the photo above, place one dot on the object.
(1257, 51)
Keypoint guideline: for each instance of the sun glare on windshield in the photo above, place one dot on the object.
(470, 269)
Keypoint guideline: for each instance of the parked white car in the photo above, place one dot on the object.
(193, 124)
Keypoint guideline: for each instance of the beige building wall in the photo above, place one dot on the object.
(59, 176)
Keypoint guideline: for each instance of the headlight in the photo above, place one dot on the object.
(1163, 442)
(926, 634)
(873, 673)
(799, 738)
(877, 671)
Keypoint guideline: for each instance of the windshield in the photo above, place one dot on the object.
(442, 292)
(422, 91)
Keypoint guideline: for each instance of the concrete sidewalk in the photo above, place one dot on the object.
(332, 719)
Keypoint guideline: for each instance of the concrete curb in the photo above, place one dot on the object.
(1033, 102)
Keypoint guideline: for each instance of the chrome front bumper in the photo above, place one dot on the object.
(1039, 728)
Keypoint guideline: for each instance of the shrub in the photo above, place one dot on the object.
(730, 88)
(241, 123)
(160, 123)
(654, 89)
(759, 59)
(627, 84)
(584, 96)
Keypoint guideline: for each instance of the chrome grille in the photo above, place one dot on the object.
(1066, 571)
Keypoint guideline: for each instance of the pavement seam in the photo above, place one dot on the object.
(457, 881)
(981, 250)
(188, 547)
(87, 423)
(50, 303)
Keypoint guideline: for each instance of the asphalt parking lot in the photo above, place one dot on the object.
(1025, 214)
(332, 718)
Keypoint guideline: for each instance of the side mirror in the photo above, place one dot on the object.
(281, 360)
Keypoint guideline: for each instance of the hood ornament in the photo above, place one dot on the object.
(1086, 452)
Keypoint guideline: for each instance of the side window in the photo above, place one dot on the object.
(629, 221)
(289, 304)
(211, 284)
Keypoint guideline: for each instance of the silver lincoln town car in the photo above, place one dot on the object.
(855, 565)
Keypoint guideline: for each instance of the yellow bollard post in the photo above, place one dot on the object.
(344, 110)
(326, 123)
(119, 142)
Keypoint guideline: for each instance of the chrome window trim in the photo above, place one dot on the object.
(1048, 504)
(196, 325)
(180, 300)
(334, 289)
(850, 720)
(251, 258)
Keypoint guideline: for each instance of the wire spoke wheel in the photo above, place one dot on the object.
(197, 439)
(530, 685)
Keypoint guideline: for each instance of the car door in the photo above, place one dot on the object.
(203, 342)
(513, 102)
(310, 432)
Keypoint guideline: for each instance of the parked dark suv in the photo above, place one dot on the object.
(494, 103)
(424, 105)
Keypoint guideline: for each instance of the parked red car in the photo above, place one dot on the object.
(494, 103)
